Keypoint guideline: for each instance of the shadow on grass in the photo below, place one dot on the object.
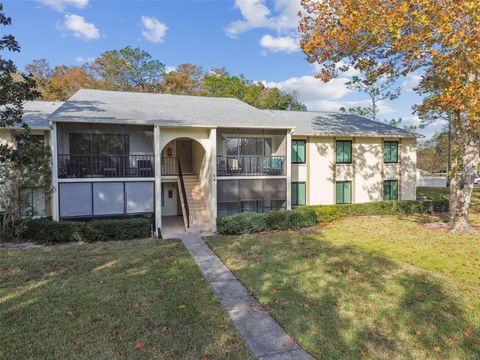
(98, 300)
(341, 302)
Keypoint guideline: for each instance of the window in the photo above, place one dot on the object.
(344, 192)
(298, 193)
(344, 151)
(33, 139)
(390, 190)
(99, 144)
(32, 202)
(390, 151)
(298, 151)
(249, 146)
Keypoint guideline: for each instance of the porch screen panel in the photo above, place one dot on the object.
(75, 199)
(108, 198)
(274, 194)
(227, 197)
(139, 197)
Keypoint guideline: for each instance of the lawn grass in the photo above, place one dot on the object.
(367, 287)
(134, 299)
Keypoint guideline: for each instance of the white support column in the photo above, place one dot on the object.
(213, 153)
(289, 169)
(55, 190)
(158, 179)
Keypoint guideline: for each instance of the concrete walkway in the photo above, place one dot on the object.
(263, 335)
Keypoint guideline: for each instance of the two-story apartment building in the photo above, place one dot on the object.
(120, 154)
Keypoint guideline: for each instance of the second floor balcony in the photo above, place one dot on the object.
(251, 165)
(251, 152)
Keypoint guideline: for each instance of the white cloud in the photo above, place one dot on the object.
(80, 28)
(170, 68)
(411, 82)
(154, 30)
(60, 5)
(83, 60)
(320, 96)
(279, 44)
(282, 17)
(256, 14)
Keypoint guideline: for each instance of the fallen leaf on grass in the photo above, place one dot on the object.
(468, 331)
(450, 340)
(114, 332)
(182, 306)
(287, 343)
(437, 349)
(204, 357)
(418, 332)
(139, 345)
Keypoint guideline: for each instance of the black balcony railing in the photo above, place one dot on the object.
(251, 165)
(87, 166)
(170, 166)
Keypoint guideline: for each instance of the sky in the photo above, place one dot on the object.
(256, 38)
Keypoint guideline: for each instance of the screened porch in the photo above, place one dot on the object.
(251, 152)
(105, 150)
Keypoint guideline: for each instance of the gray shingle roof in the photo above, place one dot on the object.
(36, 113)
(181, 110)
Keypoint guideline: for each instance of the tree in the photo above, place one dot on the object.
(440, 39)
(129, 69)
(220, 83)
(432, 154)
(185, 80)
(29, 169)
(66, 81)
(378, 89)
(15, 89)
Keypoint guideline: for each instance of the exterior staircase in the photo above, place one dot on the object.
(199, 217)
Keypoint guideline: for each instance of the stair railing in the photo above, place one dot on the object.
(184, 194)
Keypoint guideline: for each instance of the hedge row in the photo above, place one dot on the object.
(305, 216)
(46, 231)
(246, 223)
(329, 213)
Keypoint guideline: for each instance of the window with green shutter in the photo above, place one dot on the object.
(390, 190)
(390, 151)
(344, 192)
(298, 151)
(344, 151)
(298, 193)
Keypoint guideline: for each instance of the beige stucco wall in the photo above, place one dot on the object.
(367, 171)
(202, 151)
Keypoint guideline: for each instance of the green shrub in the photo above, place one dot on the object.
(325, 213)
(275, 220)
(46, 231)
(107, 230)
(329, 213)
(299, 219)
(247, 223)
(243, 223)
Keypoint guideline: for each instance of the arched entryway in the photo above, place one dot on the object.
(186, 186)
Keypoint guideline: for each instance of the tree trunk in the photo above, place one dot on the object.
(464, 166)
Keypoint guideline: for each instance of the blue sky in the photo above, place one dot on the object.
(256, 38)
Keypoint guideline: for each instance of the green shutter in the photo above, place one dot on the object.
(348, 151)
(347, 192)
(301, 194)
(394, 190)
(294, 194)
(339, 193)
(386, 152)
(394, 152)
(294, 151)
(301, 151)
(386, 190)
